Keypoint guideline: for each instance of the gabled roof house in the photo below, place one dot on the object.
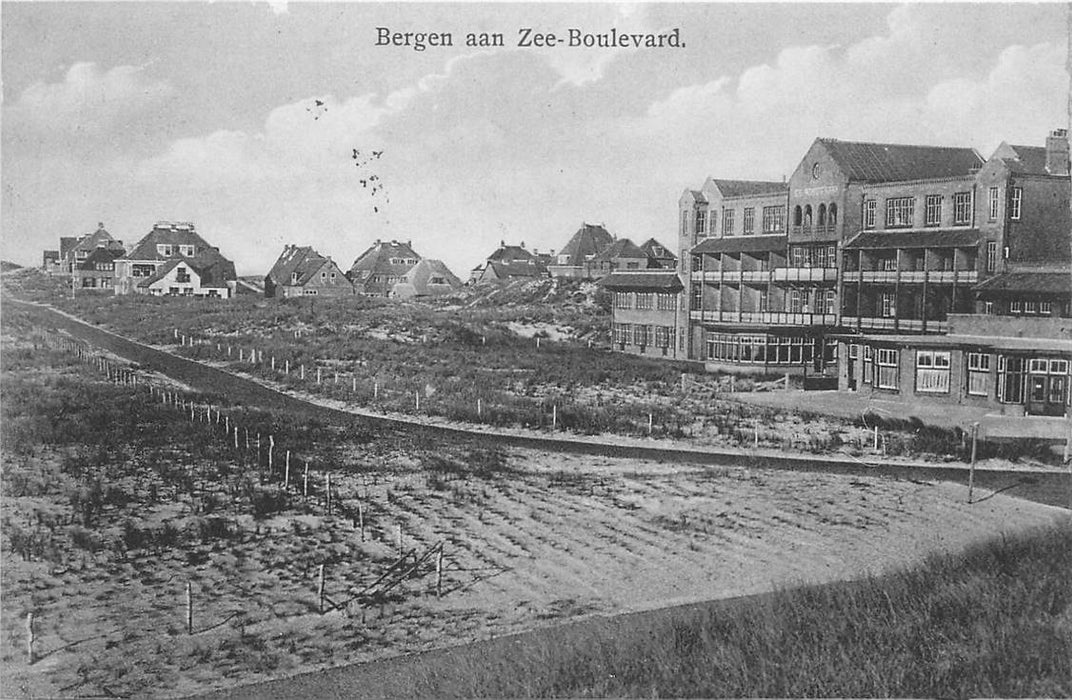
(376, 271)
(173, 259)
(301, 271)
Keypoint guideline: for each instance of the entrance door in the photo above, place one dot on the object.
(1047, 387)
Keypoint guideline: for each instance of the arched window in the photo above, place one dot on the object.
(831, 218)
(822, 215)
(807, 215)
(796, 216)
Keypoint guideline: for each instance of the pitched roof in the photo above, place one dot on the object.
(420, 279)
(659, 281)
(378, 259)
(519, 269)
(622, 248)
(590, 239)
(892, 162)
(743, 188)
(657, 250)
(100, 255)
(167, 233)
(743, 244)
(302, 261)
(933, 238)
(1027, 282)
(510, 253)
(698, 195)
(211, 267)
(98, 239)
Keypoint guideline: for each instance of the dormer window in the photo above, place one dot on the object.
(294, 278)
(165, 249)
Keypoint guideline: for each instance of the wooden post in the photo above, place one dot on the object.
(417, 399)
(554, 417)
(286, 473)
(303, 371)
(479, 408)
(30, 637)
(273, 363)
(327, 491)
(271, 447)
(733, 384)
(236, 437)
(288, 368)
(320, 588)
(336, 376)
(974, 453)
(651, 422)
(439, 573)
(226, 424)
(317, 375)
(305, 482)
(376, 390)
(246, 430)
(361, 519)
(787, 381)
(189, 608)
(398, 537)
(353, 384)
(756, 441)
(537, 342)
(240, 351)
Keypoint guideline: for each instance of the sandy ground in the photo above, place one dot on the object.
(551, 538)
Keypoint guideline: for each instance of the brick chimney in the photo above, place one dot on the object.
(1057, 152)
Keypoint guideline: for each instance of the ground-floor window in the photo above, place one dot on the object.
(622, 333)
(978, 373)
(1011, 377)
(886, 368)
(869, 364)
(662, 336)
(760, 349)
(932, 371)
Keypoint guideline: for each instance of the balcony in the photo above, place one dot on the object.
(911, 276)
(774, 318)
(878, 276)
(908, 325)
(755, 275)
(805, 274)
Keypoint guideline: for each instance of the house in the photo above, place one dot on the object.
(644, 318)
(70, 259)
(385, 264)
(662, 256)
(576, 259)
(428, 278)
(510, 262)
(97, 270)
(173, 259)
(301, 271)
(50, 262)
(622, 254)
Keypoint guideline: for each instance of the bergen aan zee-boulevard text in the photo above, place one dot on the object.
(527, 37)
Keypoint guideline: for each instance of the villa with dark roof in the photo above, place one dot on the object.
(577, 258)
(301, 271)
(174, 260)
(385, 264)
(509, 262)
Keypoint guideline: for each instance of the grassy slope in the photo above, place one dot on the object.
(995, 621)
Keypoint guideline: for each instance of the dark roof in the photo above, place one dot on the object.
(934, 238)
(590, 239)
(511, 253)
(419, 278)
(518, 269)
(165, 233)
(1059, 283)
(659, 281)
(657, 250)
(743, 244)
(1029, 160)
(211, 267)
(742, 188)
(100, 255)
(303, 261)
(891, 162)
(98, 239)
(698, 195)
(67, 244)
(377, 259)
(622, 248)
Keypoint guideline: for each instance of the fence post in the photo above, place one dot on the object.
(398, 537)
(756, 440)
(317, 375)
(327, 491)
(361, 519)
(189, 608)
(353, 384)
(376, 390)
(320, 588)
(651, 421)
(273, 363)
(30, 637)
(286, 473)
(479, 408)
(305, 482)
(439, 573)
(271, 447)
(288, 368)
(303, 371)
(417, 398)
(974, 453)
(876, 438)
(554, 417)
(336, 376)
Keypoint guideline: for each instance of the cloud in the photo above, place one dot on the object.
(88, 100)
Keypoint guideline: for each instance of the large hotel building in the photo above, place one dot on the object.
(917, 271)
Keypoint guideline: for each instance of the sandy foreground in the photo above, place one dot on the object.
(543, 539)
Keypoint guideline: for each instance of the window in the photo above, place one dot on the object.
(712, 220)
(991, 256)
(662, 336)
(889, 305)
(830, 306)
(886, 368)
(187, 250)
(1030, 307)
(696, 300)
(992, 204)
(1011, 377)
(773, 219)
(831, 218)
(701, 221)
(900, 212)
(796, 302)
(870, 207)
(934, 210)
(822, 215)
(1016, 306)
(1046, 308)
(932, 372)
(889, 264)
(309, 292)
(644, 300)
(962, 206)
(623, 300)
(622, 333)
(869, 366)
(684, 228)
(978, 373)
(727, 222)
(1015, 203)
(666, 302)
(164, 249)
(697, 263)
(797, 216)
(988, 308)
(749, 221)
(182, 274)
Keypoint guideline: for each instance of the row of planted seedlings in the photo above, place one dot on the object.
(240, 465)
(443, 383)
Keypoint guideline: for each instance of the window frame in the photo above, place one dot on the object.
(932, 215)
(870, 213)
(962, 208)
(900, 212)
(1016, 202)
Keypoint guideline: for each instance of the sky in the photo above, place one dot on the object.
(244, 117)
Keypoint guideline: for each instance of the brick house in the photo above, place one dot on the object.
(173, 259)
(644, 308)
(577, 258)
(385, 264)
(509, 262)
(428, 278)
(301, 271)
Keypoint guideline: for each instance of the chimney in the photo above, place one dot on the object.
(1057, 152)
(522, 245)
(100, 226)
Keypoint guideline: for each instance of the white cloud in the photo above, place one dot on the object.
(88, 100)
